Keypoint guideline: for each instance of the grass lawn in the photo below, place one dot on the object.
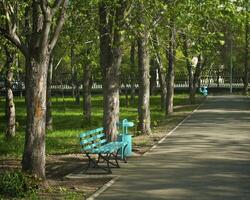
(68, 123)
(62, 144)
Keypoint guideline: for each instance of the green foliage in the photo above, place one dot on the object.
(17, 184)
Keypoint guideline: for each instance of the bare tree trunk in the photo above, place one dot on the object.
(163, 86)
(189, 67)
(144, 84)
(200, 65)
(161, 72)
(111, 21)
(73, 72)
(218, 77)
(170, 74)
(87, 91)
(77, 93)
(34, 151)
(132, 75)
(41, 40)
(126, 93)
(37, 57)
(10, 105)
(246, 70)
(49, 118)
(153, 76)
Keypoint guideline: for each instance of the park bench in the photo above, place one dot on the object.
(94, 144)
(203, 90)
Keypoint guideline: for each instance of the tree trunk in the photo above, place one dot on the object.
(153, 76)
(246, 70)
(111, 22)
(218, 77)
(126, 93)
(170, 74)
(49, 118)
(161, 73)
(144, 84)
(34, 150)
(163, 86)
(73, 72)
(197, 75)
(87, 91)
(37, 47)
(10, 105)
(132, 75)
(77, 93)
(189, 68)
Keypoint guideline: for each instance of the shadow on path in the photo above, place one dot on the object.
(206, 158)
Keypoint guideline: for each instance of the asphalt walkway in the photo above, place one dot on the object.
(206, 158)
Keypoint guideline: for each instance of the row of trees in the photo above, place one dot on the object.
(113, 42)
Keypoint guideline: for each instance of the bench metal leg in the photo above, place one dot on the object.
(96, 163)
(106, 158)
(109, 157)
(123, 153)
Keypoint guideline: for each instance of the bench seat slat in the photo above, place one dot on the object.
(107, 148)
(92, 146)
(91, 139)
(85, 134)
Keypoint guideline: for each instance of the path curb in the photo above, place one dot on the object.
(103, 188)
(170, 133)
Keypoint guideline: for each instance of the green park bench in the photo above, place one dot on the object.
(94, 143)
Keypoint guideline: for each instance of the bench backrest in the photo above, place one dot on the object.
(92, 139)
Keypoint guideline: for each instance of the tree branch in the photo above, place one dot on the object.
(46, 24)
(59, 26)
(14, 39)
(44, 7)
(56, 6)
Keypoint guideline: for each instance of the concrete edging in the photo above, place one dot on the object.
(169, 133)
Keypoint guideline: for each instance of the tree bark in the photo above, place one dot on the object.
(73, 72)
(153, 76)
(246, 70)
(10, 105)
(161, 73)
(144, 84)
(111, 19)
(77, 92)
(40, 40)
(34, 151)
(200, 65)
(37, 57)
(132, 75)
(170, 74)
(126, 92)
(87, 90)
(189, 68)
(49, 118)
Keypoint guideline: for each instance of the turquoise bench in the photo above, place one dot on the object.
(94, 142)
(203, 90)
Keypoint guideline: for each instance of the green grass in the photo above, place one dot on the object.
(68, 123)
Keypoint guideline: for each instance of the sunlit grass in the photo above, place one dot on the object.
(68, 122)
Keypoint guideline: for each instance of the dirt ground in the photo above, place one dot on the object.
(58, 167)
(57, 186)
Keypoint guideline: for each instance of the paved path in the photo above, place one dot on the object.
(206, 158)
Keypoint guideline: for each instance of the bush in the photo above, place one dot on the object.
(17, 184)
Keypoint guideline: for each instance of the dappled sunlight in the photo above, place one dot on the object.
(207, 157)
